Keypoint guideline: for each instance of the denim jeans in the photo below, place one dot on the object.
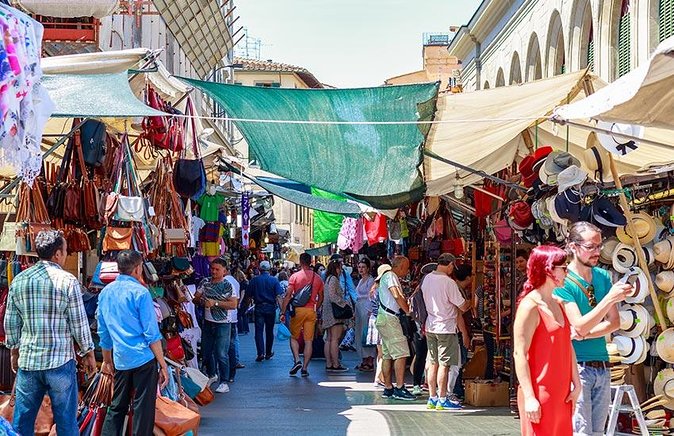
(215, 341)
(593, 404)
(264, 324)
(61, 385)
(233, 352)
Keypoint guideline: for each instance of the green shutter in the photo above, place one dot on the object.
(624, 46)
(666, 19)
(590, 55)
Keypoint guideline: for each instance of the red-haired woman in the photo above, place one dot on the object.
(544, 358)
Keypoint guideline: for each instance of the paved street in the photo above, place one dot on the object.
(265, 400)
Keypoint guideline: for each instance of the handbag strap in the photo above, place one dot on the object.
(580, 285)
(190, 115)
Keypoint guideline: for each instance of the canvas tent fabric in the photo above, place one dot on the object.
(326, 225)
(644, 96)
(375, 163)
(116, 61)
(298, 193)
(483, 128)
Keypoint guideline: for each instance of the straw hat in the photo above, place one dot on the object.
(654, 403)
(644, 226)
(664, 385)
(665, 282)
(664, 251)
(624, 258)
(597, 162)
(631, 349)
(669, 307)
(383, 269)
(606, 255)
(656, 414)
(633, 320)
(639, 282)
(664, 345)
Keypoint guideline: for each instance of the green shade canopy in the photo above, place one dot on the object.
(319, 251)
(326, 225)
(376, 163)
(95, 95)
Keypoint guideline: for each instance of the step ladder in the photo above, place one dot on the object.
(618, 407)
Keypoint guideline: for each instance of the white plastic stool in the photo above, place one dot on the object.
(617, 407)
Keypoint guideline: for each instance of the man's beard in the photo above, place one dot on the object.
(588, 263)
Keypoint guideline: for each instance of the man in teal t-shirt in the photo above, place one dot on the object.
(590, 299)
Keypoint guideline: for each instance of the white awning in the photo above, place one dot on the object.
(487, 133)
(644, 96)
(95, 63)
(70, 8)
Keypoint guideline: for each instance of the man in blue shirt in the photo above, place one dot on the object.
(266, 292)
(131, 343)
(589, 299)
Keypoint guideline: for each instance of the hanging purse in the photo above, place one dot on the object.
(117, 238)
(93, 140)
(8, 236)
(130, 209)
(189, 175)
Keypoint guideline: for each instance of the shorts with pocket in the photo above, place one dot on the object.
(393, 342)
(304, 319)
(443, 348)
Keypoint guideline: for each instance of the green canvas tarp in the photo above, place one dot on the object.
(374, 163)
(95, 95)
(326, 225)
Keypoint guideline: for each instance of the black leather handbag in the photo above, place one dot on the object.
(189, 175)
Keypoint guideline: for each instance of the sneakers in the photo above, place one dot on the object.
(453, 398)
(240, 365)
(403, 394)
(269, 356)
(388, 393)
(431, 404)
(213, 380)
(296, 367)
(339, 368)
(305, 373)
(259, 358)
(223, 388)
(416, 391)
(445, 404)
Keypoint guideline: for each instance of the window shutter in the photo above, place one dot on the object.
(624, 46)
(666, 19)
(590, 55)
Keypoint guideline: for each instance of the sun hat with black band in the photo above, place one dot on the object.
(383, 269)
(644, 226)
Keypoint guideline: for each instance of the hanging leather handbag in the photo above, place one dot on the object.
(56, 198)
(108, 272)
(117, 238)
(93, 140)
(174, 236)
(174, 348)
(189, 175)
(130, 209)
(8, 236)
(173, 418)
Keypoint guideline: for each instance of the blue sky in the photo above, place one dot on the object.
(349, 43)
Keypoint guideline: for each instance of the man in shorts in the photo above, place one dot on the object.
(304, 320)
(395, 349)
(444, 304)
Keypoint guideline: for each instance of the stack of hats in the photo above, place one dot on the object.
(663, 386)
(655, 416)
(618, 375)
(635, 326)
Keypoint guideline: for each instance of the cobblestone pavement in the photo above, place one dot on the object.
(265, 400)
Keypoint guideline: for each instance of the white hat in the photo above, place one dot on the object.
(616, 144)
(624, 258)
(639, 282)
(631, 349)
(664, 345)
(669, 308)
(597, 161)
(570, 177)
(665, 281)
(664, 385)
(634, 320)
(382, 270)
(664, 251)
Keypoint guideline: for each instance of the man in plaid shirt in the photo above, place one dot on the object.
(44, 315)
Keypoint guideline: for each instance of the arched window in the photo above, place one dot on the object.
(500, 78)
(624, 40)
(486, 85)
(665, 19)
(515, 70)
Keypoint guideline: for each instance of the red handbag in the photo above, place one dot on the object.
(174, 348)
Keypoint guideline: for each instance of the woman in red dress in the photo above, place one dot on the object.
(544, 358)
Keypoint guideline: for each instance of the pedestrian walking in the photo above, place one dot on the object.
(44, 317)
(590, 301)
(334, 321)
(131, 345)
(233, 319)
(544, 358)
(244, 303)
(303, 284)
(363, 311)
(395, 349)
(266, 292)
(444, 306)
(217, 296)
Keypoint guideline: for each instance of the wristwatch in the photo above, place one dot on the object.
(216, 304)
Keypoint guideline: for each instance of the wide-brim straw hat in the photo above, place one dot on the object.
(644, 227)
(633, 320)
(624, 258)
(606, 255)
(639, 282)
(669, 309)
(664, 252)
(665, 281)
(664, 345)
(597, 162)
(664, 385)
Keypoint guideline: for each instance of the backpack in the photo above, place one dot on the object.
(301, 297)
(418, 305)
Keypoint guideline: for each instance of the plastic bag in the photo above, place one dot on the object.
(282, 332)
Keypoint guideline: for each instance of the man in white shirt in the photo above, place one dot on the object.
(444, 304)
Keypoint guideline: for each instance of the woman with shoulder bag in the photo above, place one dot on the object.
(363, 309)
(336, 310)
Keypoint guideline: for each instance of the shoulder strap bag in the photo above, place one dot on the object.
(301, 297)
(189, 175)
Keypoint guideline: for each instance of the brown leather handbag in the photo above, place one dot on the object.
(204, 397)
(117, 238)
(173, 418)
(45, 417)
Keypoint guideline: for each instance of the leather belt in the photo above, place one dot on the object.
(595, 364)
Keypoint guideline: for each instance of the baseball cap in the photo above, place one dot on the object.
(265, 265)
(446, 259)
(336, 256)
